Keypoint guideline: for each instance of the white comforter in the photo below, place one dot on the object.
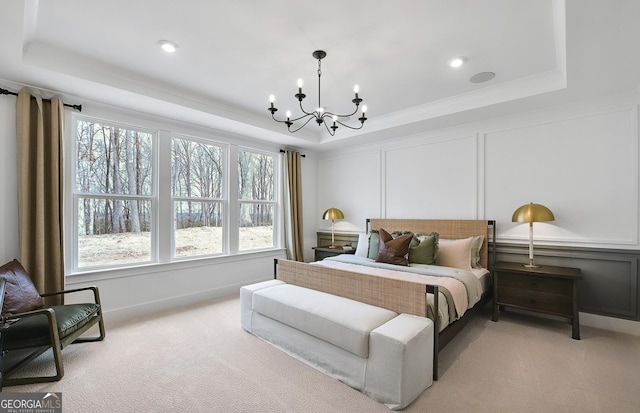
(465, 287)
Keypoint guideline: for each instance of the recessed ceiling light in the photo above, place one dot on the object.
(456, 61)
(168, 46)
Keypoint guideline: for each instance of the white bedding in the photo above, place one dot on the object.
(465, 293)
(483, 276)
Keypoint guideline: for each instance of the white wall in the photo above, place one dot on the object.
(9, 241)
(132, 292)
(581, 161)
(351, 183)
(581, 165)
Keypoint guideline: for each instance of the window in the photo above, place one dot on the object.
(197, 191)
(140, 196)
(113, 194)
(256, 193)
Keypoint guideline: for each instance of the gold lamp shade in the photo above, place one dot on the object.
(532, 213)
(332, 214)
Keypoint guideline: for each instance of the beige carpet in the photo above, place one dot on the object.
(198, 359)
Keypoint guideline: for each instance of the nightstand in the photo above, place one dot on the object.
(324, 252)
(546, 289)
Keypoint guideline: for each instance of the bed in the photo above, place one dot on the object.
(416, 288)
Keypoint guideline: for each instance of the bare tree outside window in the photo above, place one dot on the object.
(256, 190)
(113, 194)
(197, 190)
(121, 190)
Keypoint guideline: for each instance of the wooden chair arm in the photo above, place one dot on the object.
(6, 320)
(96, 293)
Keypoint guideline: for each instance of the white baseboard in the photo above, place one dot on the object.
(609, 323)
(142, 309)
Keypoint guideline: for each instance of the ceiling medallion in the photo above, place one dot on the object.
(320, 114)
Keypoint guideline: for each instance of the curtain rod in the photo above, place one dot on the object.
(283, 151)
(7, 92)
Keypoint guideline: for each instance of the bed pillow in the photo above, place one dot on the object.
(396, 234)
(455, 253)
(393, 250)
(20, 294)
(476, 246)
(362, 249)
(374, 239)
(423, 249)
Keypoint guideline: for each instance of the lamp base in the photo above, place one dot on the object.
(333, 246)
(531, 264)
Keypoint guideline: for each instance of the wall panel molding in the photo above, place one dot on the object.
(584, 167)
(351, 183)
(434, 178)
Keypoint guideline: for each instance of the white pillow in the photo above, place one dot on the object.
(362, 249)
(455, 253)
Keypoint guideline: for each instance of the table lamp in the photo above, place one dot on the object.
(532, 213)
(332, 214)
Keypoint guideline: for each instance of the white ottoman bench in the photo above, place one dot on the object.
(387, 356)
(400, 364)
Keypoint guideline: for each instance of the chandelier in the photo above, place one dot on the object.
(320, 114)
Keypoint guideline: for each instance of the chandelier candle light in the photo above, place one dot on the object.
(320, 114)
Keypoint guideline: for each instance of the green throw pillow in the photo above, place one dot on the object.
(374, 241)
(423, 249)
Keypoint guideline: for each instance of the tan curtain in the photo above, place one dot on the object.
(40, 190)
(293, 207)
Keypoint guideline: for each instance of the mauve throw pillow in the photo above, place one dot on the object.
(20, 294)
(393, 250)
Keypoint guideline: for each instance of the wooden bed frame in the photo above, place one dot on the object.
(400, 296)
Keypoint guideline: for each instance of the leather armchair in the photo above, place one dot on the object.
(28, 328)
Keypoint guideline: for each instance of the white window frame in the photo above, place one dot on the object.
(277, 197)
(162, 237)
(71, 225)
(224, 148)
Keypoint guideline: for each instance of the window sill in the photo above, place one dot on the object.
(84, 276)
